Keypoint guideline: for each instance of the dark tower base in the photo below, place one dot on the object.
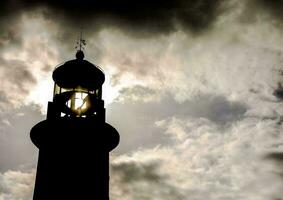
(73, 158)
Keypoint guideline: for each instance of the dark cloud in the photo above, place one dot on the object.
(9, 31)
(132, 172)
(279, 92)
(16, 74)
(215, 108)
(144, 180)
(275, 156)
(273, 7)
(143, 16)
(277, 159)
(138, 128)
(255, 9)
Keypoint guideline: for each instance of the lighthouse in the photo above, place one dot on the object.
(74, 141)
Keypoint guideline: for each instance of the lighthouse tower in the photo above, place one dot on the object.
(74, 141)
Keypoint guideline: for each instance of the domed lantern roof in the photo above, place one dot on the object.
(78, 73)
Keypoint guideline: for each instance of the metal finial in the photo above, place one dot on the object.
(81, 43)
(80, 55)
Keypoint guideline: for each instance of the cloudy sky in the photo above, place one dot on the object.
(191, 85)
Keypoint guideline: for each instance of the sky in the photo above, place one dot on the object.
(192, 86)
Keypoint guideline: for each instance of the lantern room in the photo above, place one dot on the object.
(77, 89)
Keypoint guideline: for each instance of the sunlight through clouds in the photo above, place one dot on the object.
(194, 103)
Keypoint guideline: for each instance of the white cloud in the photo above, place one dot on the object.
(234, 59)
(16, 185)
(206, 161)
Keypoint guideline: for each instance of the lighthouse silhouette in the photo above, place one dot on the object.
(74, 141)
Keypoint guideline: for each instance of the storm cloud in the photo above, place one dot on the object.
(273, 7)
(144, 16)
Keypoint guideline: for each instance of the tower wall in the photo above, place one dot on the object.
(73, 158)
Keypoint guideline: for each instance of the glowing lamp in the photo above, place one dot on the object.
(77, 89)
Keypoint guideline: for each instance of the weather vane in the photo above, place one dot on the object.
(81, 43)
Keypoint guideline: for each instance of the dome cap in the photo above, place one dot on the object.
(78, 73)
